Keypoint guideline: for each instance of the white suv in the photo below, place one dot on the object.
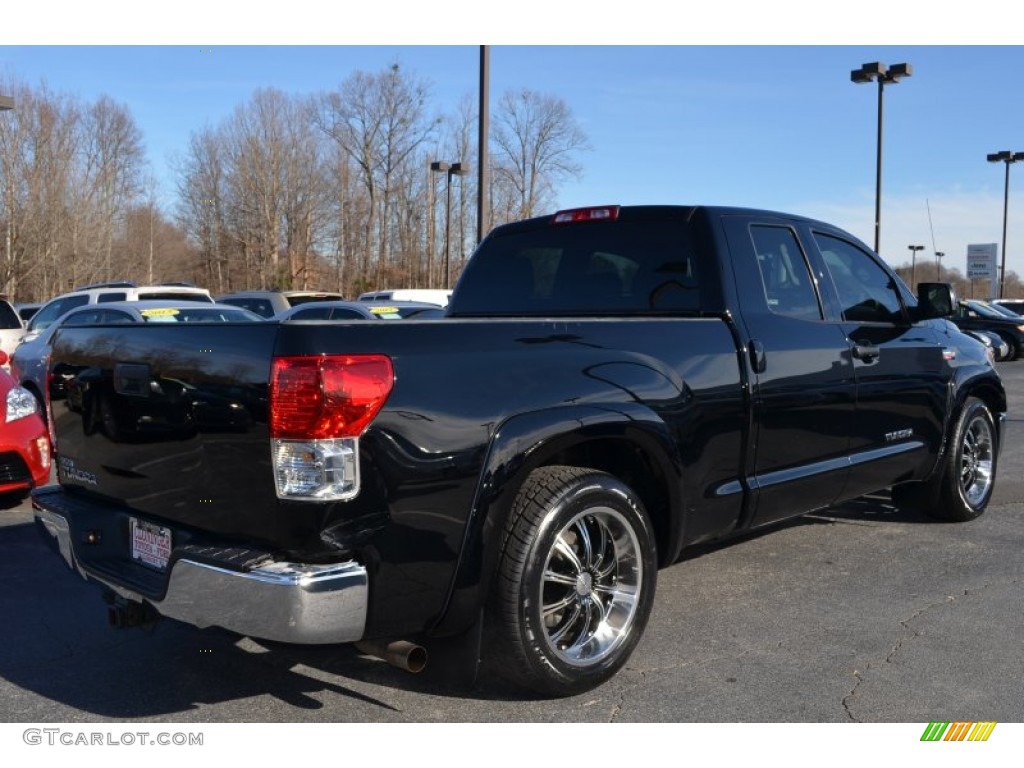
(102, 293)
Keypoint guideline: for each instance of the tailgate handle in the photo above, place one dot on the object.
(131, 379)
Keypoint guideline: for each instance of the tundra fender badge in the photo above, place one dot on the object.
(899, 434)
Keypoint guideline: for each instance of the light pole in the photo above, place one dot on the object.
(483, 182)
(6, 103)
(452, 169)
(913, 262)
(1008, 158)
(884, 75)
(938, 265)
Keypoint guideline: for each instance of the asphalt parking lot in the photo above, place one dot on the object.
(860, 614)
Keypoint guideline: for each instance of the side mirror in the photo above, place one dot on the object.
(935, 300)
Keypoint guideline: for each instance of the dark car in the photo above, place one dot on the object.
(995, 344)
(361, 310)
(1014, 305)
(270, 303)
(974, 315)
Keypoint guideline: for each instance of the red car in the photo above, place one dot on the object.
(24, 438)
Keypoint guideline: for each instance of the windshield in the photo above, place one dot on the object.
(1006, 311)
(985, 310)
(200, 315)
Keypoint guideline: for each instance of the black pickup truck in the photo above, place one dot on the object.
(610, 385)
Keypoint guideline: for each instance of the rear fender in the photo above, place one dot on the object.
(617, 438)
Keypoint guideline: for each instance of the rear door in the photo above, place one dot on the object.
(803, 386)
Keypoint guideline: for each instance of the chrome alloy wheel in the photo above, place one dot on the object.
(976, 460)
(591, 582)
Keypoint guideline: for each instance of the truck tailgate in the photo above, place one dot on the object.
(170, 421)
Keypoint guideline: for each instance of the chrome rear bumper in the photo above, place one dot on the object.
(287, 602)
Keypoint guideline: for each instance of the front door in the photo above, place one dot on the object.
(901, 370)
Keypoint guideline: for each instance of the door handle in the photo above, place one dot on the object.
(866, 352)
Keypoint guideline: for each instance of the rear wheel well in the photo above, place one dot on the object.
(633, 466)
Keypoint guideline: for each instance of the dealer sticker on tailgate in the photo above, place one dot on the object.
(151, 544)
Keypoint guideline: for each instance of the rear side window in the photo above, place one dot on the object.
(173, 296)
(294, 301)
(621, 267)
(788, 287)
(106, 298)
(261, 307)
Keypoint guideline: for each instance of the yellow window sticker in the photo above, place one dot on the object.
(161, 312)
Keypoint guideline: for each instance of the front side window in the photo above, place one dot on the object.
(788, 286)
(866, 291)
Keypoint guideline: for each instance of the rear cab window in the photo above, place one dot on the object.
(639, 264)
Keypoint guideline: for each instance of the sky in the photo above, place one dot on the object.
(686, 109)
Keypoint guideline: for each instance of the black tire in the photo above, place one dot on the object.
(575, 582)
(963, 488)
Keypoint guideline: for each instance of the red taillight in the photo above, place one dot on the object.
(594, 213)
(317, 398)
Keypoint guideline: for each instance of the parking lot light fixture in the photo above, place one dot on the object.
(913, 262)
(938, 265)
(452, 169)
(1008, 158)
(883, 75)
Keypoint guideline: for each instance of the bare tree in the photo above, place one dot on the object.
(38, 176)
(114, 161)
(255, 195)
(201, 191)
(536, 140)
(379, 122)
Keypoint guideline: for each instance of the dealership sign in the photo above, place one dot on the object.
(981, 261)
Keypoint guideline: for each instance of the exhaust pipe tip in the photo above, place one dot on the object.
(403, 654)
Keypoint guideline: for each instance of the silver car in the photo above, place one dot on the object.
(31, 358)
